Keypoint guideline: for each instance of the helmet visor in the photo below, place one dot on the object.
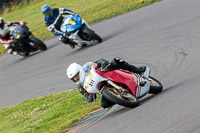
(75, 78)
(48, 12)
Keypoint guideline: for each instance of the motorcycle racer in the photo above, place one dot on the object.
(77, 74)
(53, 20)
(5, 36)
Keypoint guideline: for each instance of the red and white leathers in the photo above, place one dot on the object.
(5, 37)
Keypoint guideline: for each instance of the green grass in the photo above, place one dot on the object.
(90, 10)
(2, 49)
(52, 113)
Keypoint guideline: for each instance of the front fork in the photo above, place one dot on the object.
(123, 92)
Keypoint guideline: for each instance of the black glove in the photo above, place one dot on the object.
(141, 69)
(116, 63)
(81, 89)
(102, 63)
(91, 98)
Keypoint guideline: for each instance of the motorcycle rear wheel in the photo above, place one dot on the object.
(115, 96)
(38, 43)
(89, 35)
(155, 86)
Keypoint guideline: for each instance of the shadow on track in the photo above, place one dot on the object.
(147, 98)
(89, 46)
(110, 36)
(121, 110)
(52, 46)
(80, 49)
(21, 58)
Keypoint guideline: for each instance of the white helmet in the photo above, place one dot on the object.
(73, 70)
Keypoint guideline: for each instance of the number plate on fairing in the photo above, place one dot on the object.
(91, 81)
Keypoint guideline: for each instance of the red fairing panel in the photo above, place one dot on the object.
(121, 76)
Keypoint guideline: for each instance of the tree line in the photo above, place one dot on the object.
(8, 4)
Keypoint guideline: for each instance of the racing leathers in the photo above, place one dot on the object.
(5, 35)
(54, 23)
(116, 63)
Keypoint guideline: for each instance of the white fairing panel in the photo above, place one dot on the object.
(4, 31)
(91, 82)
(145, 89)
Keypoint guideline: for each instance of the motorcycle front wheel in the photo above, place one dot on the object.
(155, 86)
(38, 44)
(126, 98)
(89, 35)
(24, 54)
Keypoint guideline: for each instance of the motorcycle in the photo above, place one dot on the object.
(24, 42)
(79, 32)
(120, 86)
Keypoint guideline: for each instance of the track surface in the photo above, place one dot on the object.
(164, 36)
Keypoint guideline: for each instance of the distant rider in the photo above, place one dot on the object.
(78, 73)
(53, 19)
(5, 34)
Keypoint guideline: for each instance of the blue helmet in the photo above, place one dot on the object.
(47, 11)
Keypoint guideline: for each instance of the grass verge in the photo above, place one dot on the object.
(2, 49)
(90, 10)
(52, 113)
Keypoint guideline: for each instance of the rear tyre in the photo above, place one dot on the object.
(114, 95)
(89, 35)
(38, 44)
(155, 86)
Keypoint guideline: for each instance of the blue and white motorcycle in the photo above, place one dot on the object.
(79, 31)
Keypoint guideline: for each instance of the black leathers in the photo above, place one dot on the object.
(119, 63)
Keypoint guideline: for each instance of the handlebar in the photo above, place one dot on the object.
(102, 69)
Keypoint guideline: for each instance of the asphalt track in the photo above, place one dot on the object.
(164, 36)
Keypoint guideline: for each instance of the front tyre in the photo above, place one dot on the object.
(125, 99)
(89, 35)
(155, 86)
(24, 54)
(38, 44)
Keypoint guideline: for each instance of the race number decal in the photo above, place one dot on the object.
(91, 83)
(88, 81)
(72, 22)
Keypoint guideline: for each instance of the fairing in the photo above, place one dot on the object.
(67, 24)
(131, 80)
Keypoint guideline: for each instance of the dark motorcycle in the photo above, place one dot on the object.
(24, 42)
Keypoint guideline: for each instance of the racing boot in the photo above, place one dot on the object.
(105, 103)
(141, 69)
(67, 41)
(119, 63)
(132, 68)
(71, 44)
